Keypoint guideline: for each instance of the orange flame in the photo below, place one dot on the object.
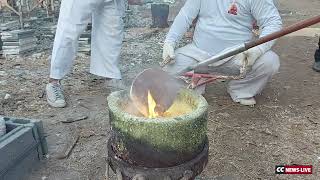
(151, 106)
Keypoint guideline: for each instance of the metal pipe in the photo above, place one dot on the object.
(20, 14)
(216, 60)
(222, 57)
(290, 29)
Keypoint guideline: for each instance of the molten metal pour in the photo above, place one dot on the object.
(178, 108)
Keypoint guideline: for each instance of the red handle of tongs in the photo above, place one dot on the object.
(191, 74)
(195, 78)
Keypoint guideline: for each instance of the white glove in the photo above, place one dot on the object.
(252, 55)
(167, 54)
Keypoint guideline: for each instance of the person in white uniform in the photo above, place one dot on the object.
(106, 42)
(222, 24)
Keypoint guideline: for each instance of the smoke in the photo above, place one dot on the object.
(162, 86)
(130, 108)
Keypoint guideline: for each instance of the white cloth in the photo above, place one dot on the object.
(168, 51)
(217, 30)
(252, 55)
(257, 78)
(106, 40)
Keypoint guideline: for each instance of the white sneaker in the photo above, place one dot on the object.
(55, 97)
(247, 101)
(115, 84)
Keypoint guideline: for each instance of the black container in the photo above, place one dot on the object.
(140, 154)
(160, 13)
(187, 170)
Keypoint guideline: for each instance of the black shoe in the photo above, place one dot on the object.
(316, 66)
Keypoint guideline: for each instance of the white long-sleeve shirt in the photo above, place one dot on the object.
(216, 29)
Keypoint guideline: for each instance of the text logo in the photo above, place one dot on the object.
(294, 169)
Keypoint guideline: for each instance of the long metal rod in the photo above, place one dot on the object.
(20, 14)
(234, 51)
(290, 29)
(221, 58)
(215, 59)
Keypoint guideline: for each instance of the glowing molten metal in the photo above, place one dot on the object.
(178, 108)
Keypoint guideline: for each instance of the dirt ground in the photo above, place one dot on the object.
(245, 143)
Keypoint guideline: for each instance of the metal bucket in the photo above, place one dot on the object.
(160, 13)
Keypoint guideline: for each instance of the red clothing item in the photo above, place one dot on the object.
(233, 9)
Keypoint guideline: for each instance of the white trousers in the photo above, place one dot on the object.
(106, 37)
(255, 81)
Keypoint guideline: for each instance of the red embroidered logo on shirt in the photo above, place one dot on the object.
(233, 8)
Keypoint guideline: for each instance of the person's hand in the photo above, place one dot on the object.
(167, 54)
(252, 55)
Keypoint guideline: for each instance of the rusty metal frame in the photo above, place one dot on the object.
(43, 3)
(47, 4)
(4, 3)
